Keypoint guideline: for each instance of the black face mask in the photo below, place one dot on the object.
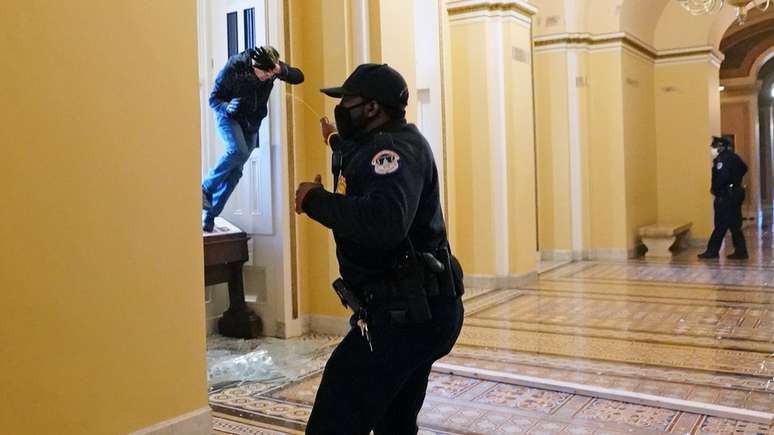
(349, 126)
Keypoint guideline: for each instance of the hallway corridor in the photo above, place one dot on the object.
(702, 333)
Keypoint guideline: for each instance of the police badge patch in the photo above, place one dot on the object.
(385, 162)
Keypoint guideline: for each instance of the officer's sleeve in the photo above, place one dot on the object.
(291, 75)
(382, 215)
(742, 168)
(221, 93)
(722, 176)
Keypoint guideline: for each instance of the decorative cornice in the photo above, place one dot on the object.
(624, 40)
(460, 7)
(591, 41)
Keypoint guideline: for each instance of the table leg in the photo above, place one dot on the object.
(238, 321)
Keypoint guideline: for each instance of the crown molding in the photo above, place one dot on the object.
(477, 8)
(589, 42)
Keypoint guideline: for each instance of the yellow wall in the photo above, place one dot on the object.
(639, 17)
(677, 29)
(616, 111)
(375, 30)
(640, 145)
(685, 119)
(643, 149)
(606, 173)
(101, 260)
(472, 166)
(396, 46)
(520, 143)
(493, 210)
(321, 35)
(553, 151)
(321, 51)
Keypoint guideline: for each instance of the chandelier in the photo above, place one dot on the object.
(704, 7)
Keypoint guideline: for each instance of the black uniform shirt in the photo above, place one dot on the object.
(727, 171)
(237, 79)
(391, 193)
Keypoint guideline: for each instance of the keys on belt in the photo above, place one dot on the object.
(361, 323)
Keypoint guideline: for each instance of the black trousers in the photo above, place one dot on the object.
(728, 217)
(383, 390)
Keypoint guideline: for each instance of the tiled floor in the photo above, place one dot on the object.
(699, 331)
(460, 405)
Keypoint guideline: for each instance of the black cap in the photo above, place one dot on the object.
(718, 142)
(378, 82)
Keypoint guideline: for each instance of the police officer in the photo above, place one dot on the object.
(239, 100)
(393, 255)
(727, 172)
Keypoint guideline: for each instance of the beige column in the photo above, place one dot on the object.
(493, 166)
(321, 41)
(687, 115)
(392, 41)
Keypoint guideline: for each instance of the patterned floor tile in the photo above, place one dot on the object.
(513, 396)
(680, 329)
(644, 417)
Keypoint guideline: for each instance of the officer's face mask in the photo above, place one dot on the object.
(350, 120)
(715, 152)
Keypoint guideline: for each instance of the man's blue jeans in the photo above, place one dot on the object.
(223, 178)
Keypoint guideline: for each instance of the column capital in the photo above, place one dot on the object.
(479, 8)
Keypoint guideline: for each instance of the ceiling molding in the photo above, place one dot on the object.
(461, 7)
(625, 40)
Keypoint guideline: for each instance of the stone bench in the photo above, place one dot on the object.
(658, 238)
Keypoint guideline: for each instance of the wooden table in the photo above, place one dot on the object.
(225, 252)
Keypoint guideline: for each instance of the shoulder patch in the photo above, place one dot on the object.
(720, 165)
(385, 162)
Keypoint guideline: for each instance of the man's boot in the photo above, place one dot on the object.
(738, 256)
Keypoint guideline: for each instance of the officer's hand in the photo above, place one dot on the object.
(326, 128)
(303, 189)
(233, 106)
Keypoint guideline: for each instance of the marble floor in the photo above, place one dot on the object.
(700, 332)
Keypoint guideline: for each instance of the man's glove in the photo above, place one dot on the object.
(233, 106)
(265, 58)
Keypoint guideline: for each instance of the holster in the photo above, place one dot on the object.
(349, 299)
(737, 193)
(410, 286)
(403, 296)
(450, 280)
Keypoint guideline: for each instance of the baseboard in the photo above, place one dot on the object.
(594, 254)
(499, 282)
(558, 255)
(611, 253)
(328, 325)
(198, 422)
(212, 325)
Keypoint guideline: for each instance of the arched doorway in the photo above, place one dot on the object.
(766, 136)
(747, 51)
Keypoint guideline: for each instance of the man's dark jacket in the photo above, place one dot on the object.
(237, 80)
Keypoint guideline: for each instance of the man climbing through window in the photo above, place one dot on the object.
(239, 100)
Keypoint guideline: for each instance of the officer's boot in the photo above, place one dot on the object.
(740, 246)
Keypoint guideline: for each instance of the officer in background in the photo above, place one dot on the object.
(727, 172)
(399, 277)
(239, 100)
